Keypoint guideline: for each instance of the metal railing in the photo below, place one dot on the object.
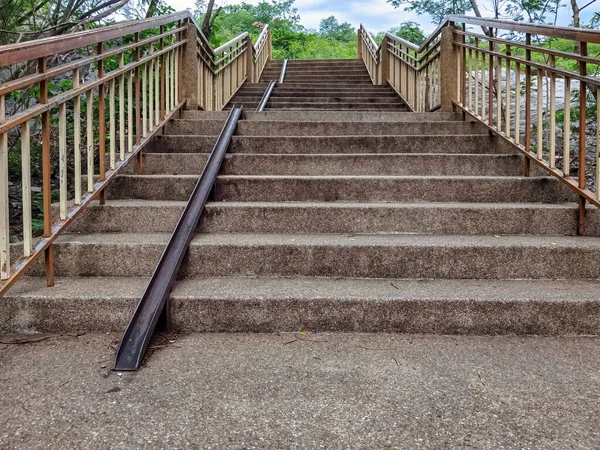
(89, 102)
(514, 85)
(222, 71)
(413, 71)
(510, 79)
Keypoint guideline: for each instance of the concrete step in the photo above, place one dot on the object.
(277, 128)
(367, 188)
(466, 143)
(537, 307)
(316, 72)
(154, 216)
(273, 101)
(414, 164)
(303, 93)
(362, 106)
(318, 116)
(334, 255)
(375, 189)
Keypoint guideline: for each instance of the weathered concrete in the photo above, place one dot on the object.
(337, 164)
(334, 391)
(475, 143)
(335, 255)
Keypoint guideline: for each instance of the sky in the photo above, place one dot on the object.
(375, 15)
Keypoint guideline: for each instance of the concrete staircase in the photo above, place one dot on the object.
(367, 220)
(341, 84)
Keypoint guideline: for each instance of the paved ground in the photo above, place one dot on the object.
(239, 391)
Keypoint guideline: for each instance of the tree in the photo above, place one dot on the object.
(331, 28)
(438, 9)
(411, 31)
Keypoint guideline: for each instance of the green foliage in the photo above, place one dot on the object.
(438, 9)
(330, 28)
(411, 31)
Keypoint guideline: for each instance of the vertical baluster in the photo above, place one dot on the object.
(163, 74)
(469, 81)
(476, 79)
(540, 105)
(112, 123)
(527, 103)
(167, 81)
(552, 115)
(518, 103)
(567, 129)
(582, 137)
(138, 117)
(483, 99)
(122, 110)
(102, 125)
(157, 90)
(174, 79)
(491, 83)
(62, 159)
(499, 92)
(26, 189)
(508, 90)
(130, 128)
(4, 200)
(90, 140)
(151, 91)
(77, 139)
(144, 101)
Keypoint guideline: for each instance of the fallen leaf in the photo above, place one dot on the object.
(552, 243)
(302, 333)
(496, 236)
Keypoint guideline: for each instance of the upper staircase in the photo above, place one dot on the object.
(343, 84)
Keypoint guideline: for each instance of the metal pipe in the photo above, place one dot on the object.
(155, 300)
(265, 98)
(283, 69)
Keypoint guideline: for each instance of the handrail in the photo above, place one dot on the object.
(262, 38)
(133, 101)
(155, 299)
(570, 33)
(266, 96)
(16, 53)
(283, 69)
(151, 76)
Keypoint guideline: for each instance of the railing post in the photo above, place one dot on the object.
(189, 66)
(448, 69)
(359, 47)
(384, 63)
(249, 63)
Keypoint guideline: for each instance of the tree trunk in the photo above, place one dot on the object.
(207, 23)
(575, 9)
(151, 8)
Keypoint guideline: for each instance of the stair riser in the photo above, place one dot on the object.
(337, 144)
(227, 218)
(206, 259)
(236, 188)
(340, 72)
(200, 314)
(315, 165)
(247, 128)
(332, 99)
(319, 116)
(378, 190)
(337, 106)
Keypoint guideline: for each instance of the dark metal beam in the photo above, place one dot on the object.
(141, 327)
(265, 98)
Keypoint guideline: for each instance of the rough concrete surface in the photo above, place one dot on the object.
(278, 391)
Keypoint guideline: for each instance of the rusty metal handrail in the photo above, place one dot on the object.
(155, 299)
(134, 101)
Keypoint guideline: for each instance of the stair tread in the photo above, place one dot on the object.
(120, 203)
(315, 289)
(340, 240)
